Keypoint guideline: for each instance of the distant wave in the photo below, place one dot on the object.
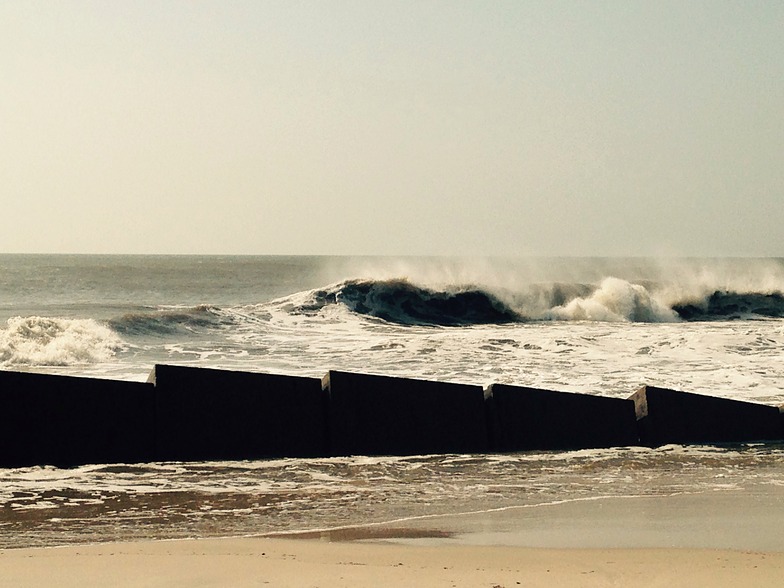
(613, 300)
(43, 341)
(169, 321)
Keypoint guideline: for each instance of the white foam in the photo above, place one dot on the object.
(44, 341)
(616, 300)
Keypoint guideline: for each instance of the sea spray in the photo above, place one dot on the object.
(616, 300)
(403, 302)
(567, 289)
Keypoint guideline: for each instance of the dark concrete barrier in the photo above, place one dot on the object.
(208, 414)
(668, 416)
(379, 415)
(186, 413)
(781, 414)
(524, 418)
(67, 421)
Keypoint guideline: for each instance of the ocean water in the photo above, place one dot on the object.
(599, 326)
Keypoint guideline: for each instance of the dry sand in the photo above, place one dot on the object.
(304, 563)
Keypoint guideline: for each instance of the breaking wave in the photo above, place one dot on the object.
(733, 305)
(613, 300)
(399, 301)
(42, 341)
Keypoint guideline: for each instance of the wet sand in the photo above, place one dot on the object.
(683, 540)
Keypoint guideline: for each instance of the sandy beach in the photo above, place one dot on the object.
(708, 539)
(303, 563)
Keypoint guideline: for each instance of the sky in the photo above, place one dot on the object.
(487, 128)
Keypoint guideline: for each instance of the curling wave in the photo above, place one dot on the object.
(733, 305)
(43, 341)
(613, 300)
(399, 301)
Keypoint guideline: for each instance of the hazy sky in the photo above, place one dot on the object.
(397, 127)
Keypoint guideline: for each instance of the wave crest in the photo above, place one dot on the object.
(43, 341)
(722, 305)
(613, 300)
(399, 301)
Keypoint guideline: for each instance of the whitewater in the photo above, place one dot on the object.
(597, 326)
(600, 326)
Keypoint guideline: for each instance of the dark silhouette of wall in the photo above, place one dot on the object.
(378, 415)
(68, 421)
(196, 414)
(524, 418)
(208, 414)
(668, 416)
(781, 414)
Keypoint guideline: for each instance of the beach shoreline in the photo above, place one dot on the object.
(748, 519)
(710, 538)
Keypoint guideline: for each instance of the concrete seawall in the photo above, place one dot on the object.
(207, 414)
(523, 419)
(669, 416)
(197, 414)
(67, 421)
(378, 415)
(781, 415)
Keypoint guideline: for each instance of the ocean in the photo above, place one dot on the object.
(599, 326)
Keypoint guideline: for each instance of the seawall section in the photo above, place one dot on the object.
(781, 415)
(198, 414)
(208, 414)
(524, 419)
(379, 415)
(669, 416)
(67, 421)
